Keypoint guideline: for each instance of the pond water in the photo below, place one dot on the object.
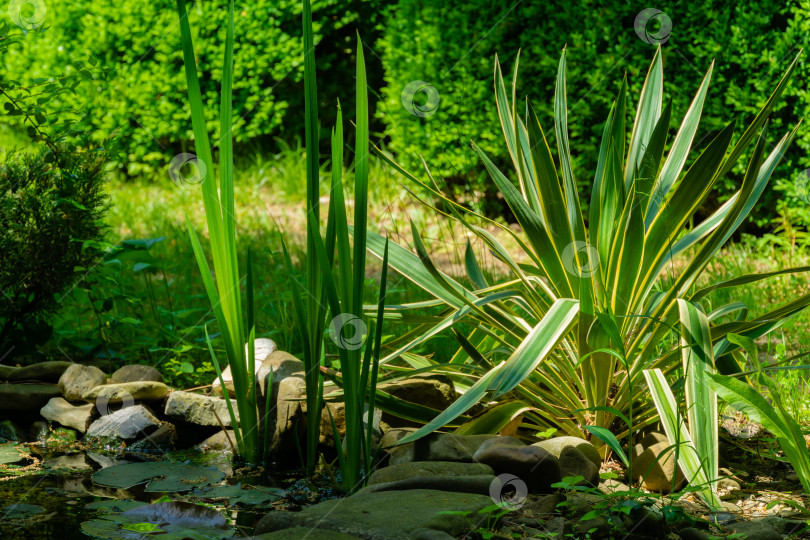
(63, 486)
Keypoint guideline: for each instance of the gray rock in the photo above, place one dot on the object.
(782, 525)
(162, 440)
(434, 391)
(389, 515)
(43, 372)
(76, 462)
(497, 441)
(60, 411)
(125, 393)
(263, 348)
(439, 447)
(556, 445)
(26, 397)
(287, 422)
(613, 486)
(544, 506)
(655, 466)
(403, 471)
(129, 423)
(537, 468)
(136, 373)
(79, 379)
(575, 463)
(199, 409)
(279, 365)
(392, 436)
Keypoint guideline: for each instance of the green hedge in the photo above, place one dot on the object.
(144, 106)
(451, 46)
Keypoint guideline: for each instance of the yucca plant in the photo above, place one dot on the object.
(224, 291)
(576, 290)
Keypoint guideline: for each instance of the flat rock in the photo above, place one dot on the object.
(126, 393)
(136, 373)
(78, 380)
(438, 447)
(389, 515)
(26, 397)
(479, 483)
(537, 468)
(199, 409)
(62, 412)
(129, 423)
(497, 441)
(43, 372)
(6, 371)
(556, 445)
(756, 530)
(445, 469)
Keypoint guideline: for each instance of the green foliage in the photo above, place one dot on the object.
(143, 105)
(49, 204)
(450, 45)
(572, 294)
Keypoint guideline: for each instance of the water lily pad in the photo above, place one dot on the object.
(236, 494)
(10, 453)
(161, 475)
(20, 510)
(167, 521)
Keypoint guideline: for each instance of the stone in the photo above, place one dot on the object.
(480, 483)
(278, 365)
(219, 441)
(125, 394)
(427, 468)
(612, 485)
(136, 373)
(392, 515)
(755, 530)
(544, 506)
(199, 409)
(162, 440)
(287, 423)
(438, 447)
(655, 466)
(6, 371)
(434, 391)
(263, 348)
(38, 431)
(692, 533)
(575, 463)
(392, 436)
(62, 412)
(26, 397)
(79, 379)
(537, 468)
(129, 423)
(42, 372)
(430, 534)
(497, 441)
(337, 410)
(556, 445)
(297, 533)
